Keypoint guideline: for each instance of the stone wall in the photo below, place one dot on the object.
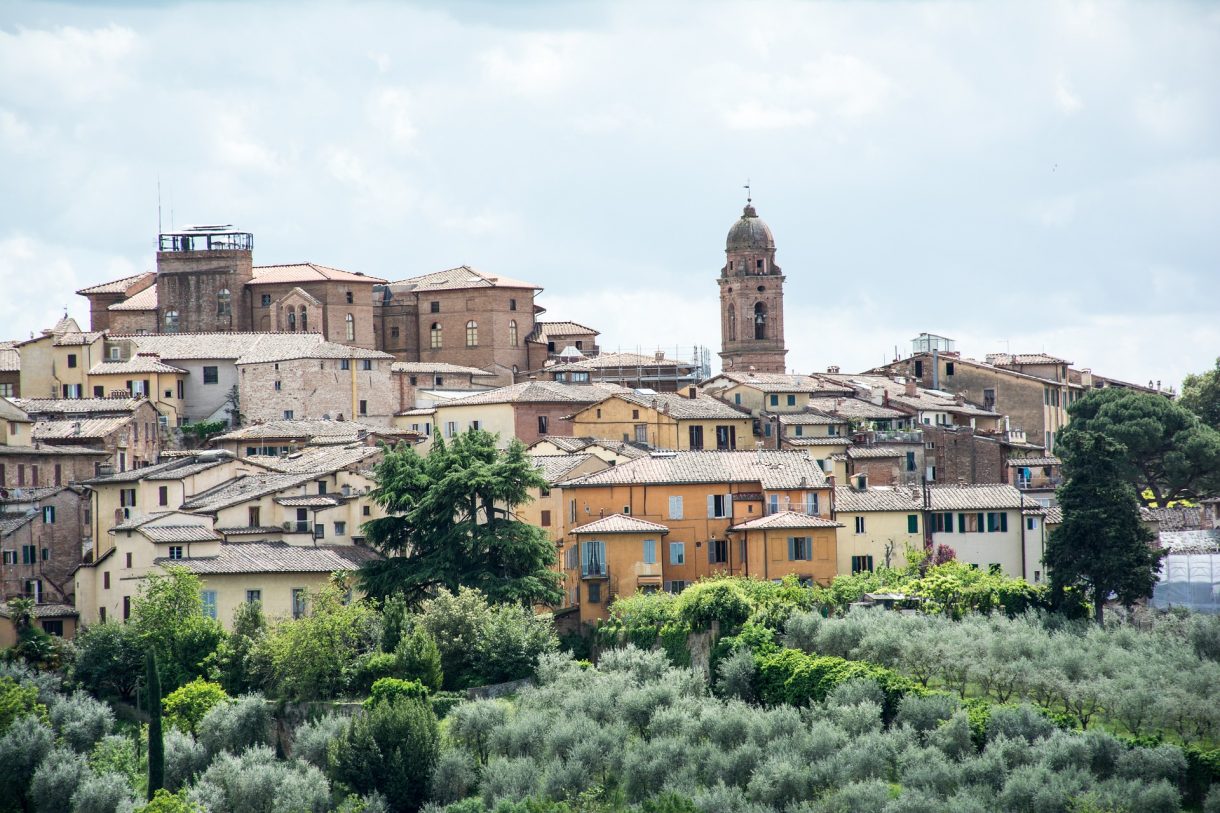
(60, 540)
(313, 388)
(525, 419)
(190, 282)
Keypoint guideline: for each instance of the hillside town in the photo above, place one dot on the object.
(228, 418)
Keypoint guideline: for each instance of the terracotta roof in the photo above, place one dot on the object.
(1054, 515)
(924, 399)
(10, 360)
(320, 459)
(145, 300)
(25, 495)
(10, 522)
(299, 430)
(1198, 541)
(246, 348)
(538, 392)
(772, 469)
(554, 467)
(683, 408)
(141, 363)
(45, 611)
(620, 524)
(977, 497)
(251, 530)
(178, 533)
(419, 411)
(873, 452)
(543, 330)
(275, 557)
(458, 278)
(855, 408)
(850, 500)
(9, 411)
(781, 382)
(117, 286)
(173, 469)
(785, 519)
(52, 449)
(1048, 460)
(567, 444)
(86, 428)
(610, 360)
(267, 352)
(1006, 359)
(435, 367)
(306, 272)
(805, 440)
(810, 419)
(309, 501)
(77, 406)
(78, 338)
(241, 489)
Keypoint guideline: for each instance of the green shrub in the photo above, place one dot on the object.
(419, 658)
(103, 793)
(792, 677)
(443, 702)
(393, 689)
(18, 700)
(23, 746)
(372, 667)
(719, 601)
(312, 739)
(81, 721)
(236, 726)
(165, 802)
(391, 749)
(186, 706)
(56, 779)
(674, 640)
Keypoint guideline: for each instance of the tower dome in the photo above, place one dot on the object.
(750, 233)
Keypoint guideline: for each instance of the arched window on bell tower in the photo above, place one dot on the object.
(760, 320)
(732, 323)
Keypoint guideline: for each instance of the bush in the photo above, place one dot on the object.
(798, 679)
(737, 675)
(109, 660)
(419, 658)
(472, 725)
(18, 700)
(103, 793)
(22, 748)
(116, 754)
(392, 689)
(390, 749)
(312, 739)
(456, 776)
(56, 779)
(801, 631)
(185, 758)
(165, 802)
(256, 783)
(186, 706)
(444, 702)
(719, 601)
(1022, 721)
(81, 721)
(372, 667)
(236, 726)
(926, 713)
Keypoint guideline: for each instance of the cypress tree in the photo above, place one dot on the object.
(156, 745)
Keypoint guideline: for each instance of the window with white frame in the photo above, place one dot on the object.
(677, 553)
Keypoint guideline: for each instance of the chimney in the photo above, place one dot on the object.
(959, 399)
(659, 355)
(911, 390)
(692, 393)
(833, 369)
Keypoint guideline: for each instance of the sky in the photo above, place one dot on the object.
(1019, 176)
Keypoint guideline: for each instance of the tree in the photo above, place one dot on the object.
(156, 745)
(1101, 546)
(238, 672)
(109, 659)
(420, 659)
(168, 615)
(391, 749)
(187, 705)
(1165, 448)
(450, 524)
(1201, 395)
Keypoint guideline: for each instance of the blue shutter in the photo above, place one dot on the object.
(791, 549)
(948, 522)
(1003, 522)
(961, 523)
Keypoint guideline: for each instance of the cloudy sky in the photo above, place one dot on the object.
(1019, 176)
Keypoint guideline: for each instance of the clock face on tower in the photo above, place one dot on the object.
(752, 315)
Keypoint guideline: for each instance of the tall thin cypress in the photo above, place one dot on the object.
(156, 745)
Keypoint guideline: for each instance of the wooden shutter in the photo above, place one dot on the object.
(961, 523)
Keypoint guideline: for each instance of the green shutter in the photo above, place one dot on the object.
(791, 549)
(961, 523)
(948, 522)
(912, 523)
(1003, 521)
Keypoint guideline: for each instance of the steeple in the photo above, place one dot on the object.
(751, 297)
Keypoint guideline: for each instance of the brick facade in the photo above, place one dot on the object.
(751, 299)
(56, 518)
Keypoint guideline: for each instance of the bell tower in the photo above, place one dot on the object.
(751, 299)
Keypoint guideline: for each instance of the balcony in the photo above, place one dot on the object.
(1038, 483)
(593, 570)
(206, 238)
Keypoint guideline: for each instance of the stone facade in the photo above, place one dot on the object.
(751, 299)
(31, 467)
(309, 388)
(40, 534)
(204, 291)
(959, 455)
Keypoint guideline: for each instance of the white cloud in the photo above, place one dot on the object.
(391, 113)
(235, 146)
(1065, 99)
(1056, 212)
(537, 65)
(72, 63)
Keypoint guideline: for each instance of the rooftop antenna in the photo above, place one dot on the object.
(159, 203)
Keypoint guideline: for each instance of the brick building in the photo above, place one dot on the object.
(126, 430)
(43, 533)
(751, 299)
(206, 282)
(410, 377)
(548, 341)
(10, 370)
(324, 381)
(527, 411)
(631, 370)
(458, 316)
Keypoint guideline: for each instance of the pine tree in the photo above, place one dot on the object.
(1101, 546)
(156, 745)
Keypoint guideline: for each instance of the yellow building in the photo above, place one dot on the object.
(990, 526)
(616, 555)
(877, 525)
(789, 543)
(146, 375)
(56, 364)
(528, 411)
(545, 509)
(611, 451)
(688, 422)
(770, 392)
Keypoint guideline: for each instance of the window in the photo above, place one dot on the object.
(997, 522)
(439, 381)
(726, 437)
(912, 523)
(989, 399)
(435, 335)
(635, 414)
(53, 626)
(71, 360)
(351, 327)
(773, 504)
(319, 531)
(254, 515)
(811, 503)
(175, 551)
(163, 495)
(292, 318)
(345, 364)
(1031, 523)
(650, 552)
(774, 400)
(918, 368)
(101, 614)
(737, 398)
(366, 364)
(948, 368)
(171, 321)
(719, 505)
(593, 558)
(595, 592)
(340, 529)
(127, 497)
(266, 300)
(800, 548)
(128, 560)
(861, 564)
(910, 461)
(29, 554)
(209, 602)
(859, 525)
(677, 553)
(224, 300)
(942, 523)
(717, 551)
(364, 407)
(791, 400)
(348, 296)
(969, 523)
(304, 320)
(512, 304)
(46, 554)
(675, 508)
(512, 333)
(277, 386)
(6, 390)
(98, 392)
(394, 331)
(450, 428)
(298, 602)
(366, 510)
(48, 514)
(675, 586)
(434, 307)
(10, 557)
(288, 413)
(760, 320)
(253, 596)
(542, 424)
(545, 519)
(211, 375)
(106, 580)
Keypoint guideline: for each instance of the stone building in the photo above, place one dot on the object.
(527, 411)
(410, 377)
(631, 370)
(25, 463)
(56, 363)
(751, 299)
(458, 316)
(42, 539)
(324, 381)
(10, 370)
(127, 430)
(206, 282)
(548, 342)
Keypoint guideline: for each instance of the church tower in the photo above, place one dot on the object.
(751, 299)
